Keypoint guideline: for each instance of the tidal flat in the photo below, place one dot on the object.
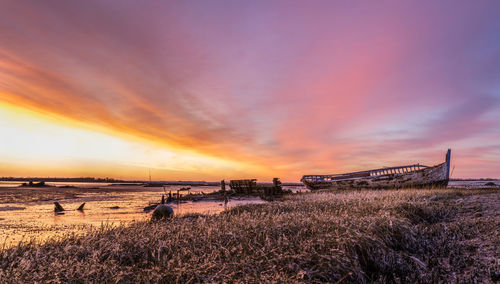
(427, 235)
(27, 213)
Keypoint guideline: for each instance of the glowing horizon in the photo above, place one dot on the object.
(210, 91)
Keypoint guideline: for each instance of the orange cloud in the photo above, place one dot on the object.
(266, 89)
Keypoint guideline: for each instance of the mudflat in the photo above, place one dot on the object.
(27, 213)
(47, 193)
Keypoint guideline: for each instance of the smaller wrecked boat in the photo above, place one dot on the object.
(394, 177)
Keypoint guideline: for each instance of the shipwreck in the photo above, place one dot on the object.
(394, 177)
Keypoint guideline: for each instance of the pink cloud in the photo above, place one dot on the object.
(322, 87)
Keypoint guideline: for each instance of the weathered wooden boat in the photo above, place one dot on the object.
(395, 177)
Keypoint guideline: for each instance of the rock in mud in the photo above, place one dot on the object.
(162, 211)
(58, 207)
(81, 207)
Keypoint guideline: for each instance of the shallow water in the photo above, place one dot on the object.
(26, 221)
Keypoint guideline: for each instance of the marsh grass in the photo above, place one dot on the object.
(358, 236)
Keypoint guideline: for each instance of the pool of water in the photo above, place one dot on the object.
(24, 221)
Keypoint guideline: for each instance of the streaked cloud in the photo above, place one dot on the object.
(282, 88)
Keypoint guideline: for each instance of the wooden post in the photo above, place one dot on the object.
(277, 185)
(448, 158)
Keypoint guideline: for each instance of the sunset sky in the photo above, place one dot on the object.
(206, 90)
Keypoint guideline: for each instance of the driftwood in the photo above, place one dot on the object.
(238, 187)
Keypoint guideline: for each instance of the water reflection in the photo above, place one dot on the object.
(121, 205)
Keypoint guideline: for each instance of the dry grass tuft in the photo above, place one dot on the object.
(359, 236)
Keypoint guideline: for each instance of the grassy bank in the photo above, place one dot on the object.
(429, 235)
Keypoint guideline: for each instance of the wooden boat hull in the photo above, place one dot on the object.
(436, 176)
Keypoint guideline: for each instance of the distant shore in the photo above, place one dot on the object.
(110, 180)
(165, 182)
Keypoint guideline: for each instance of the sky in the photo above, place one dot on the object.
(210, 90)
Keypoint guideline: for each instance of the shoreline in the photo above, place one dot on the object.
(110, 204)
